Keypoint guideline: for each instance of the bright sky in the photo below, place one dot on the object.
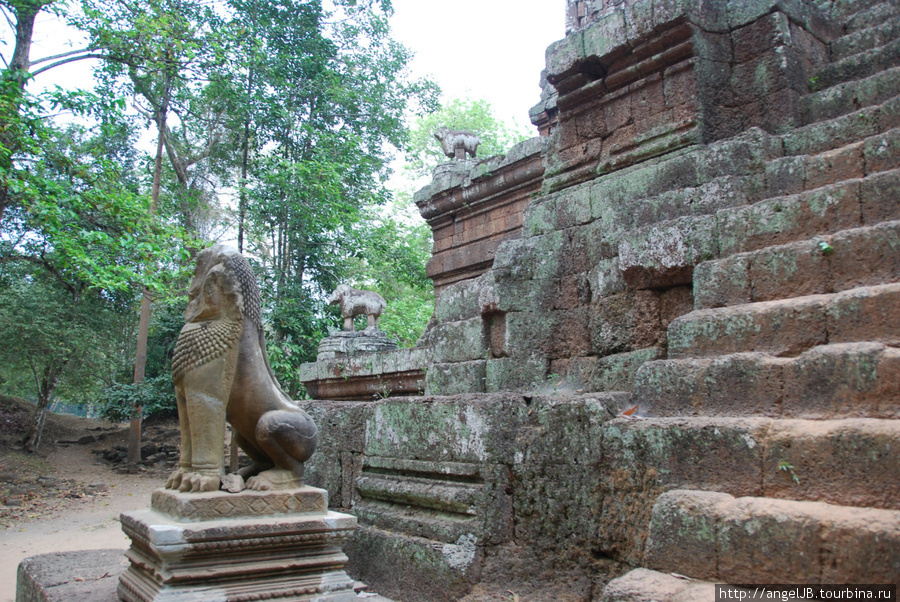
(489, 49)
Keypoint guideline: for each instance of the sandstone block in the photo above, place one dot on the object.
(785, 327)
(683, 532)
(617, 372)
(722, 282)
(789, 271)
(787, 219)
(865, 256)
(768, 540)
(665, 254)
(851, 379)
(865, 314)
(802, 455)
(455, 378)
(643, 585)
(880, 197)
(721, 454)
(625, 322)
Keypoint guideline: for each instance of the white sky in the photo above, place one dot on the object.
(488, 49)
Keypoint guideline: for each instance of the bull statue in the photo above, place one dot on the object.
(456, 143)
(356, 302)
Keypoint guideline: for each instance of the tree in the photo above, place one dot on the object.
(497, 137)
(320, 99)
(58, 336)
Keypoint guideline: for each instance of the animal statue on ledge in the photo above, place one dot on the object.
(355, 302)
(221, 372)
(456, 143)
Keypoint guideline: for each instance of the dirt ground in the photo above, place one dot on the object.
(66, 497)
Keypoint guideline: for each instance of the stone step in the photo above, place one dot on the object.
(828, 263)
(850, 462)
(716, 537)
(644, 585)
(873, 28)
(853, 97)
(825, 382)
(861, 64)
(788, 327)
(858, 15)
(798, 216)
(829, 136)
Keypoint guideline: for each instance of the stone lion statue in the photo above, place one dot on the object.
(451, 140)
(221, 372)
(355, 302)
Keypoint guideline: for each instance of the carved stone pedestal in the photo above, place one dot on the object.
(349, 342)
(248, 546)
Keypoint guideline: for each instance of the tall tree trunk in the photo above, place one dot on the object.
(140, 358)
(26, 12)
(46, 385)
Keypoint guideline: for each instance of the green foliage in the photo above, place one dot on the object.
(54, 340)
(497, 137)
(390, 260)
(155, 397)
(75, 208)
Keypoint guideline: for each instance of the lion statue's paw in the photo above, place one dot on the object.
(195, 482)
(174, 480)
(274, 479)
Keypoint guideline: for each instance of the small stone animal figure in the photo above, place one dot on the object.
(221, 372)
(451, 140)
(356, 302)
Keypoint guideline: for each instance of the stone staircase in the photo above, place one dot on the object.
(789, 364)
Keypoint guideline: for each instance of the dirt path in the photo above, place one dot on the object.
(85, 523)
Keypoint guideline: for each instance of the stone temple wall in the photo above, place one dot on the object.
(686, 358)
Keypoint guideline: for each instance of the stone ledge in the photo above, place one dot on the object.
(79, 576)
(213, 505)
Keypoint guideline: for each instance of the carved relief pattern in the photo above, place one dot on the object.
(198, 346)
(249, 289)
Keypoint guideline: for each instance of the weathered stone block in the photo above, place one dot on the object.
(880, 197)
(865, 314)
(785, 327)
(665, 254)
(683, 532)
(606, 279)
(789, 271)
(455, 378)
(851, 379)
(617, 372)
(771, 540)
(570, 334)
(862, 546)
(462, 300)
(786, 219)
(522, 373)
(801, 456)
(457, 341)
(405, 566)
(625, 322)
(831, 167)
(722, 454)
(865, 256)
(722, 283)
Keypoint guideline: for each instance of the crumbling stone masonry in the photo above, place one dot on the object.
(711, 234)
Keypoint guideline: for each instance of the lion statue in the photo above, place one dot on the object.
(221, 372)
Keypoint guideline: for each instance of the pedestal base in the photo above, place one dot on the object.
(245, 546)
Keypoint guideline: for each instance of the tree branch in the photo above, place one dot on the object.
(68, 60)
